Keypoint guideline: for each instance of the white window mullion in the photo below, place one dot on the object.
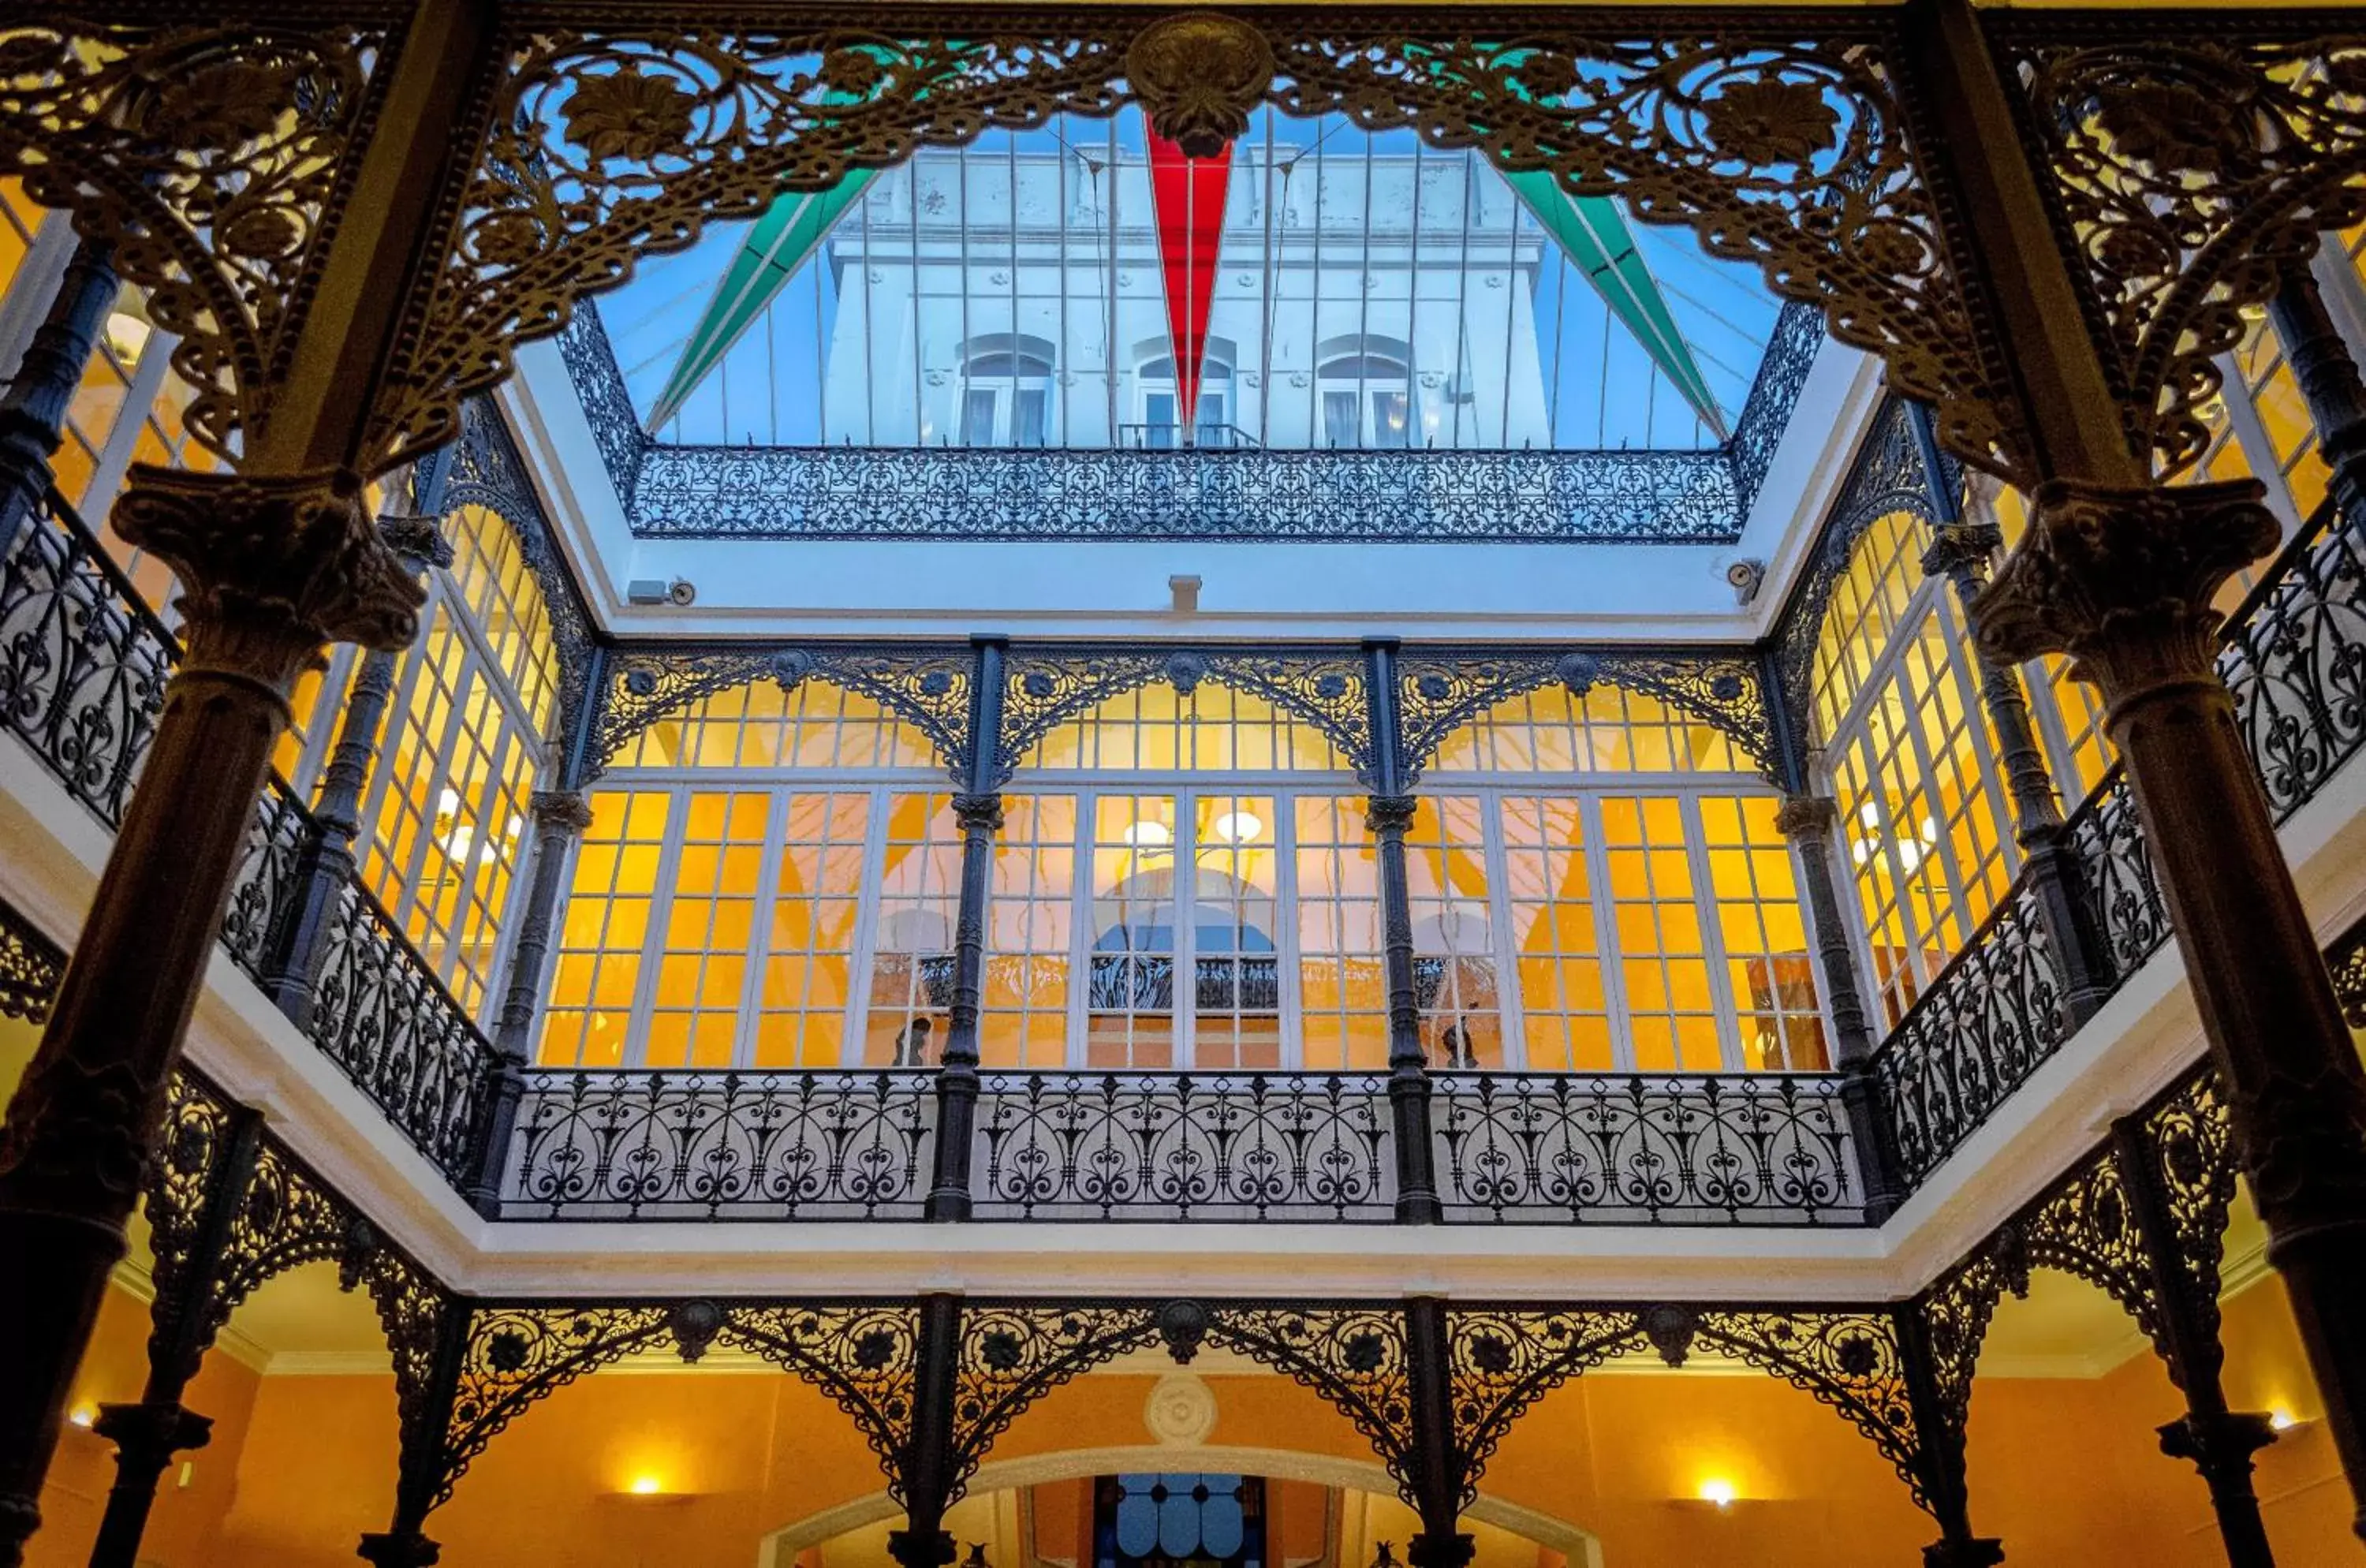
(1606, 936)
(1503, 940)
(408, 674)
(1712, 929)
(1080, 929)
(759, 931)
(123, 436)
(1288, 989)
(1183, 999)
(865, 958)
(2259, 450)
(1984, 745)
(1942, 850)
(654, 943)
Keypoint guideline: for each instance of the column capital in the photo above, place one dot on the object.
(271, 567)
(560, 810)
(1960, 551)
(2121, 579)
(1391, 813)
(1806, 815)
(152, 1434)
(978, 813)
(415, 539)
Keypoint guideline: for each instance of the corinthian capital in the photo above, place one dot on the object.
(2120, 579)
(271, 567)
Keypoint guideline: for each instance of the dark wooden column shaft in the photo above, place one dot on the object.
(274, 563)
(978, 809)
(148, 1434)
(33, 409)
(1438, 1465)
(2220, 1442)
(1389, 813)
(928, 1462)
(2118, 571)
(1808, 821)
(2328, 381)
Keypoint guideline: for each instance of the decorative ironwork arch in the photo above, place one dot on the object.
(1357, 1358)
(1886, 476)
(1440, 690)
(1013, 1354)
(863, 1356)
(928, 686)
(483, 469)
(1045, 688)
(1500, 1361)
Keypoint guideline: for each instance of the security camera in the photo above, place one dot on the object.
(682, 592)
(1745, 576)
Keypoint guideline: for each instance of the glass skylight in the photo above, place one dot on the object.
(1028, 289)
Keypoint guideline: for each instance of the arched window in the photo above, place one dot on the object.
(1365, 385)
(1162, 400)
(1005, 396)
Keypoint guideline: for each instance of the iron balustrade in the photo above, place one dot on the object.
(83, 660)
(83, 664)
(1138, 1145)
(2295, 661)
(1657, 1148)
(721, 1145)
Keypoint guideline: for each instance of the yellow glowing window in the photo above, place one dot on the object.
(489, 575)
(1456, 982)
(759, 726)
(1343, 995)
(1550, 877)
(708, 900)
(912, 955)
(1028, 930)
(1158, 730)
(808, 958)
(606, 925)
(1769, 968)
(1608, 730)
(1869, 603)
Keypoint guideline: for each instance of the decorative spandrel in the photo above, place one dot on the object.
(1500, 1361)
(927, 686)
(863, 1357)
(1440, 690)
(2195, 169)
(1957, 1311)
(515, 1355)
(228, 148)
(199, 1126)
(1850, 1360)
(1353, 1356)
(2192, 1144)
(1045, 688)
(1012, 1355)
(2085, 1227)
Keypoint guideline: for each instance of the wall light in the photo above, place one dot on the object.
(83, 1416)
(1150, 835)
(1236, 827)
(2281, 1420)
(1716, 1489)
(646, 1486)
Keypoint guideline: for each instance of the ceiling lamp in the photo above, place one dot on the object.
(1236, 827)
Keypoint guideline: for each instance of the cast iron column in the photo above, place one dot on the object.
(928, 1464)
(560, 818)
(328, 864)
(978, 808)
(270, 571)
(147, 1434)
(1389, 812)
(2327, 379)
(2219, 1442)
(1960, 552)
(1437, 1467)
(1808, 821)
(2118, 571)
(33, 409)
(426, 1418)
(1939, 1443)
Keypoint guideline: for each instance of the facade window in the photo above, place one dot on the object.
(1925, 831)
(759, 726)
(1007, 379)
(912, 949)
(1366, 388)
(1030, 926)
(1162, 402)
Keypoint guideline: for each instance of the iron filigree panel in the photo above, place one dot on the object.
(2295, 659)
(590, 362)
(1441, 690)
(1850, 1360)
(862, 1355)
(1086, 494)
(1355, 1357)
(2189, 169)
(516, 1355)
(1045, 687)
(1012, 1355)
(1782, 376)
(2190, 1143)
(2116, 876)
(927, 686)
(31, 966)
(593, 1146)
(2085, 1227)
(1957, 1311)
(1500, 1361)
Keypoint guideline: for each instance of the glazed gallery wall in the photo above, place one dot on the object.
(2061, 1468)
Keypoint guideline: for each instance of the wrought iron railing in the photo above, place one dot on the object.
(83, 660)
(1644, 1148)
(83, 663)
(1183, 1146)
(2295, 659)
(595, 1146)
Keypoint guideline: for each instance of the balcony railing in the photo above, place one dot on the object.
(2295, 659)
(83, 668)
(82, 664)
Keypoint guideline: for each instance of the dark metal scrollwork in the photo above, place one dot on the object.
(32, 965)
(927, 686)
(1440, 690)
(861, 1355)
(516, 1355)
(1850, 1360)
(1500, 1361)
(1012, 1355)
(1355, 1357)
